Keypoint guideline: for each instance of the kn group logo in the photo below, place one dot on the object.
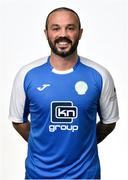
(63, 113)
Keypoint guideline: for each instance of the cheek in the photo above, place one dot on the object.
(52, 35)
(75, 37)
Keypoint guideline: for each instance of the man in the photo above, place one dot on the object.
(63, 94)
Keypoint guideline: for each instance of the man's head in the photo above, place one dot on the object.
(63, 31)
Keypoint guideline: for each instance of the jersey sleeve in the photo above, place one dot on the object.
(18, 110)
(108, 104)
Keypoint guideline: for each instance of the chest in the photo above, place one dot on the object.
(80, 89)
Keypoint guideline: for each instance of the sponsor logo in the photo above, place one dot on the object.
(63, 112)
(53, 128)
(62, 115)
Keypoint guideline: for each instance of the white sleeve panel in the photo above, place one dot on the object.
(108, 101)
(18, 97)
(109, 112)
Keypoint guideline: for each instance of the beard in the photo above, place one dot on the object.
(63, 53)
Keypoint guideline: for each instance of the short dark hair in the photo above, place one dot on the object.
(61, 9)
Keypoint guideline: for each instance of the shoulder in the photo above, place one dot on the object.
(97, 67)
(34, 64)
(25, 69)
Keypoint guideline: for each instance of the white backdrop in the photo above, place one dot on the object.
(105, 40)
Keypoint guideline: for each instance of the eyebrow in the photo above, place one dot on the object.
(56, 25)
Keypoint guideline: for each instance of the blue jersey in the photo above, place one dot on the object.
(63, 106)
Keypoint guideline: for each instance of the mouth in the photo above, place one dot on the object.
(63, 44)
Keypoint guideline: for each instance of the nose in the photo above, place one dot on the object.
(63, 32)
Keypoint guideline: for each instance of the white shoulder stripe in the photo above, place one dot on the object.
(17, 102)
(102, 70)
(109, 109)
(25, 69)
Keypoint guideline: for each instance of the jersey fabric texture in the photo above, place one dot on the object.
(63, 106)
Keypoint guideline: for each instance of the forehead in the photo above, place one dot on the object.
(62, 17)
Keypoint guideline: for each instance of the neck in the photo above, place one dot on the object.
(62, 64)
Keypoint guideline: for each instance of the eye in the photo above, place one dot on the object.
(55, 29)
(71, 28)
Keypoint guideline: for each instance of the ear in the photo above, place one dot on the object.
(80, 34)
(46, 33)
